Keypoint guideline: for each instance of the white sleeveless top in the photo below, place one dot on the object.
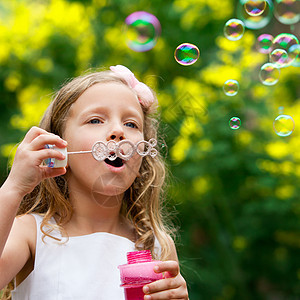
(85, 267)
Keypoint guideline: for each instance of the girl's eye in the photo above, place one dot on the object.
(131, 124)
(95, 121)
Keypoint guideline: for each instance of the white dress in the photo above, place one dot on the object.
(85, 267)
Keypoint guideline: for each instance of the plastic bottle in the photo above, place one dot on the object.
(56, 163)
(138, 272)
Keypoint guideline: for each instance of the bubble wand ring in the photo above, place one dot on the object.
(131, 150)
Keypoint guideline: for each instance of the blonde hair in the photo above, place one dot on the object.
(142, 202)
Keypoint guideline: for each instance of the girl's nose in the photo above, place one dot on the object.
(116, 133)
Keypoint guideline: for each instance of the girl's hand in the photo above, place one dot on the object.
(173, 286)
(27, 170)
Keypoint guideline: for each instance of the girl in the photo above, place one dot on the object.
(76, 223)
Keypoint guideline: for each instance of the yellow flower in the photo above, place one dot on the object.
(12, 82)
(244, 138)
(277, 150)
(44, 64)
(9, 150)
(284, 192)
(201, 185)
(33, 102)
(288, 238)
(191, 127)
(179, 150)
(218, 74)
(205, 145)
(239, 243)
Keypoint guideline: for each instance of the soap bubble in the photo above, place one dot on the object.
(231, 87)
(255, 21)
(186, 54)
(294, 52)
(284, 125)
(234, 29)
(296, 62)
(280, 110)
(279, 57)
(285, 41)
(142, 31)
(264, 43)
(254, 7)
(287, 11)
(269, 74)
(235, 123)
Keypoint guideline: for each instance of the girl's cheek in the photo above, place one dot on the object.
(137, 161)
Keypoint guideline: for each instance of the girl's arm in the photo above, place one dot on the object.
(173, 286)
(17, 250)
(26, 173)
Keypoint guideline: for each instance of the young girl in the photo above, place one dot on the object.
(75, 224)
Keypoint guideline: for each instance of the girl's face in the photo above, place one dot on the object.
(104, 112)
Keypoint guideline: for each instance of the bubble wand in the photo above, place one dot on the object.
(111, 150)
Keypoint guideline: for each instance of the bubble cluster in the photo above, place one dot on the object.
(142, 31)
(186, 54)
(257, 21)
(279, 57)
(269, 74)
(264, 43)
(234, 29)
(235, 123)
(231, 87)
(287, 11)
(254, 7)
(284, 125)
(286, 41)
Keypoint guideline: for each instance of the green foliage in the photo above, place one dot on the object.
(236, 192)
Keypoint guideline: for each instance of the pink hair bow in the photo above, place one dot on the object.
(143, 92)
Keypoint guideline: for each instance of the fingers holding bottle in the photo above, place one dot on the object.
(173, 286)
(28, 169)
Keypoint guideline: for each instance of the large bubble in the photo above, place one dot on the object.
(186, 54)
(286, 41)
(294, 52)
(284, 125)
(269, 74)
(254, 7)
(287, 11)
(234, 29)
(231, 87)
(255, 21)
(279, 57)
(142, 31)
(264, 43)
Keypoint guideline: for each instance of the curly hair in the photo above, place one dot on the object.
(142, 203)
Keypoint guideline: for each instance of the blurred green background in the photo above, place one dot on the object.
(236, 192)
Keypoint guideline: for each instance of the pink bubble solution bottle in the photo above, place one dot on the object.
(137, 272)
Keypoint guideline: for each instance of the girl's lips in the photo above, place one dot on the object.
(115, 169)
(114, 161)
